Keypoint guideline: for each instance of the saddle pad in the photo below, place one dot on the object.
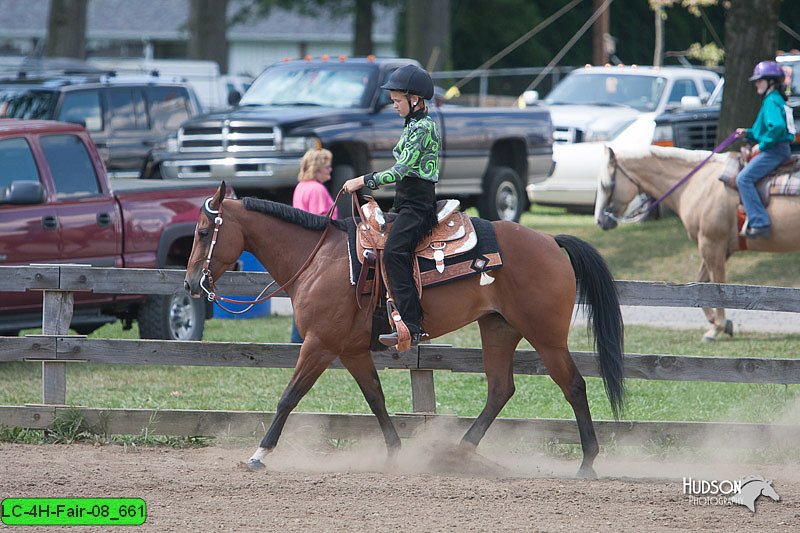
(785, 183)
(483, 257)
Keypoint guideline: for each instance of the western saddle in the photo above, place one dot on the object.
(454, 234)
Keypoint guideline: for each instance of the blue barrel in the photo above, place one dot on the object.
(248, 263)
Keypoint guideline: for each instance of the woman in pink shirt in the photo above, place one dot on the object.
(310, 193)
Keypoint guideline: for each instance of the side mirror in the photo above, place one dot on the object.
(530, 97)
(691, 102)
(23, 193)
(234, 97)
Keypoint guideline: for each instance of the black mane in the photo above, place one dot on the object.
(290, 214)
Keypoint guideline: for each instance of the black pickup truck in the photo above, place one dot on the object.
(488, 155)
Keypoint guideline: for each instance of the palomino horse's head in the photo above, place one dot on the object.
(216, 246)
(615, 191)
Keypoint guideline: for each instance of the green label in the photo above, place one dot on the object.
(73, 511)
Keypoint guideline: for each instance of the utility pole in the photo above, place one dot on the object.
(600, 34)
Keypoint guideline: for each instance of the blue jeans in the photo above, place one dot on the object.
(296, 338)
(757, 168)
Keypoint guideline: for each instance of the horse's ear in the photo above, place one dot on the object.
(611, 156)
(217, 201)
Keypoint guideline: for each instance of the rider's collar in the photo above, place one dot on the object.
(416, 115)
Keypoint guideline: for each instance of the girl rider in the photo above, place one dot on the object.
(773, 130)
(415, 172)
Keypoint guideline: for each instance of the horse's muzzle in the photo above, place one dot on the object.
(606, 222)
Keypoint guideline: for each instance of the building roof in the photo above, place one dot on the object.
(168, 19)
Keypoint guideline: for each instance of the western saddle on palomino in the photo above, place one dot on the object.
(783, 181)
(454, 236)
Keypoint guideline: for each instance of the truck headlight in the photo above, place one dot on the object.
(301, 144)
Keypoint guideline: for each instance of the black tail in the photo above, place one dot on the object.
(597, 293)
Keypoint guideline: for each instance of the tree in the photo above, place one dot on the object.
(427, 32)
(207, 31)
(751, 28)
(66, 29)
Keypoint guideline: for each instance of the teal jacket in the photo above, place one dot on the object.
(416, 154)
(770, 126)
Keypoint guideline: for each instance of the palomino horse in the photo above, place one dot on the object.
(532, 296)
(704, 204)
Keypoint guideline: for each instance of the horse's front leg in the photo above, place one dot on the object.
(362, 368)
(310, 365)
(712, 268)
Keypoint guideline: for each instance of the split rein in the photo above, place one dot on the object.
(210, 291)
(646, 207)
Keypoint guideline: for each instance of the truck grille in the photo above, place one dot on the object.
(229, 137)
(696, 135)
(563, 134)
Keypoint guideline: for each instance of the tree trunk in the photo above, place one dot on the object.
(428, 32)
(599, 32)
(658, 53)
(66, 29)
(362, 42)
(207, 28)
(751, 28)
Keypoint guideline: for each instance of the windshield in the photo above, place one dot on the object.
(18, 102)
(312, 85)
(635, 91)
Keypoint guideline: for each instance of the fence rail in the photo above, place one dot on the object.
(55, 349)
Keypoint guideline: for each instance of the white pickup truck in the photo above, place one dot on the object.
(616, 105)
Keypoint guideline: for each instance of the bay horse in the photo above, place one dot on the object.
(532, 296)
(706, 207)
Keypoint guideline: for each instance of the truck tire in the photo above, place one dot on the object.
(175, 316)
(503, 195)
(339, 175)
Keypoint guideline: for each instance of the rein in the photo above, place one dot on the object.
(210, 291)
(646, 207)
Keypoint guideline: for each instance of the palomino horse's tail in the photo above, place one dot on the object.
(597, 293)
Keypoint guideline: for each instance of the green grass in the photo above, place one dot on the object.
(655, 250)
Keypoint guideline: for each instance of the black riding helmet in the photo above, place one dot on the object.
(410, 79)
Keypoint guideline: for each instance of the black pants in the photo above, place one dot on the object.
(398, 257)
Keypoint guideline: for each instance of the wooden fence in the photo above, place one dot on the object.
(55, 349)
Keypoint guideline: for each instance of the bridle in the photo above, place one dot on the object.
(648, 205)
(211, 294)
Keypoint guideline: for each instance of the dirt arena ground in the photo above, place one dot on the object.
(430, 488)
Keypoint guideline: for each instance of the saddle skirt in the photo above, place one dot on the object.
(783, 181)
(453, 235)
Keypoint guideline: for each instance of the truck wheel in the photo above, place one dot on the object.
(172, 317)
(503, 197)
(339, 175)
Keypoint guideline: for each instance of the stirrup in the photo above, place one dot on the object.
(390, 339)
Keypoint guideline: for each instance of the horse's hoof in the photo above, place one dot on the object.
(586, 472)
(729, 327)
(254, 465)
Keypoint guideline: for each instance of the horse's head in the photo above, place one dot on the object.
(216, 246)
(615, 191)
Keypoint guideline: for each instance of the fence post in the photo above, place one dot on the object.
(423, 393)
(57, 311)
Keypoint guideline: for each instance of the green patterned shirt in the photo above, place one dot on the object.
(416, 154)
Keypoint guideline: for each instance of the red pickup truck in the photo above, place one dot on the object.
(57, 205)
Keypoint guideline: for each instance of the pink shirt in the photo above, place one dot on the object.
(312, 196)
